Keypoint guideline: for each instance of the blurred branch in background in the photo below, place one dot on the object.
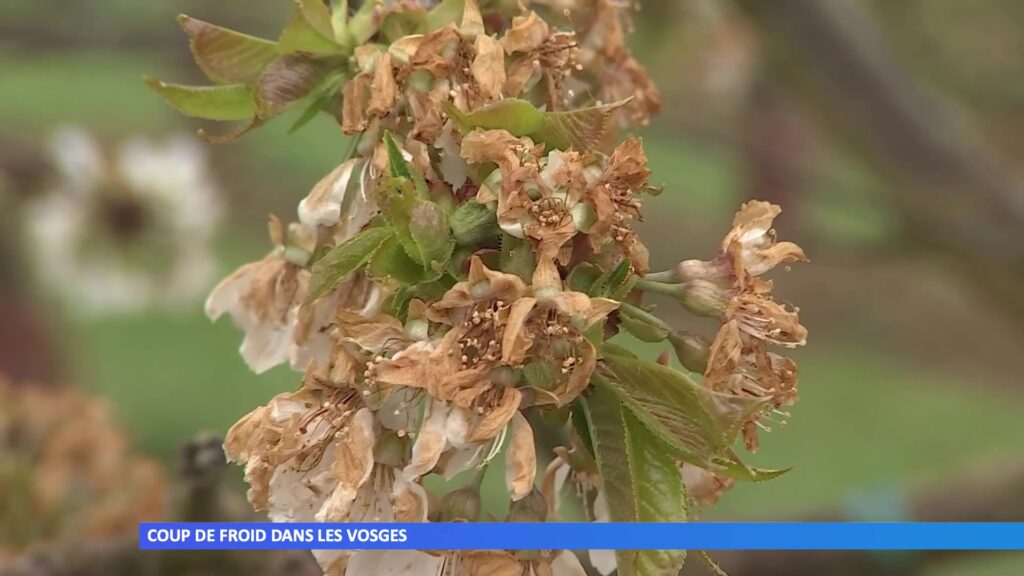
(28, 351)
(990, 493)
(952, 192)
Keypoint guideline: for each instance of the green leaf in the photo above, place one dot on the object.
(398, 25)
(358, 28)
(517, 257)
(643, 324)
(231, 102)
(226, 56)
(518, 117)
(445, 13)
(733, 467)
(390, 261)
(474, 224)
(618, 282)
(400, 167)
(583, 277)
(583, 129)
(318, 15)
(641, 479)
(698, 423)
(421, 226)
(302, 36)
(286, 81)
(338, 264)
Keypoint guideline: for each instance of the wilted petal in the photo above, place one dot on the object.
(394, 563)
(566, 563)
(520, 458)
(490, 563)
(488, 67)
(494, 420)
(526, 34)
(383, 90)
(430, 441)
(516, 341)
(353, 464)
(322, 207)
(409, 501)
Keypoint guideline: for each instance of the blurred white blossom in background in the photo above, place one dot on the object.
(125, 229)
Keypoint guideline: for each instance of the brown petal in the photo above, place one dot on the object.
(352, 466)
(517, 341)
(369, 333)
(488, 67)
(355, 100)
(383, 90)
(494, 421)
(520, 458)
(408, 501)
(489, 563)
(526, 34)
(240, 437)
(430, 441)
(579, 378)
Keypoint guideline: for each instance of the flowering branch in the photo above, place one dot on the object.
(464, 274)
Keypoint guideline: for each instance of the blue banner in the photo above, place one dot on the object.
(577, 536)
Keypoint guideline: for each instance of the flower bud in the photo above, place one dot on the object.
(461, 505)
(531, 508)
(717, 271)
(704, 298)
(691, 349)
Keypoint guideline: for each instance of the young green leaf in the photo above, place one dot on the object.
(318, 15)
(583, 129)
(338, 264)
(640, 477)
(518, 117)
(698, 423)
(400, 167)
(227, 103)
(226, 56)
(301, 35)
(390, 261)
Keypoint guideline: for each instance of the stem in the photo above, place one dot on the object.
(657, 287)
(664, 276)
(644, 316)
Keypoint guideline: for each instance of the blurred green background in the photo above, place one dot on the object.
(912, 373)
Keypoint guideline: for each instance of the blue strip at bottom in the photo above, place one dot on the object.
(577, 536)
